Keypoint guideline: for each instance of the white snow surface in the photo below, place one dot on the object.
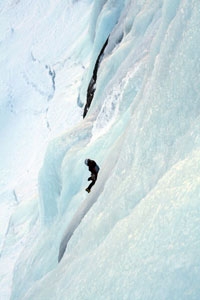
(137, 234)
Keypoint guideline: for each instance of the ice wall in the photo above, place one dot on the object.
(136, 236)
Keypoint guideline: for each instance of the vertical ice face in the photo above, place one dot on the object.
(136, 236)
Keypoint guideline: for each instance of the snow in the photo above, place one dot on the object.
(136, 235)
(39, 89)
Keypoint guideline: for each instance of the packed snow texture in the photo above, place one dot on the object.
(137, 234)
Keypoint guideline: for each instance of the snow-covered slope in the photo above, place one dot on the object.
(39, 86)
(136, 235)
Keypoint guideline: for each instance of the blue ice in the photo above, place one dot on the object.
(136, 235)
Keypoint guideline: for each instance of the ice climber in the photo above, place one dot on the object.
(94, 169)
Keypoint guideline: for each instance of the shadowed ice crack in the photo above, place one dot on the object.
(92, 84)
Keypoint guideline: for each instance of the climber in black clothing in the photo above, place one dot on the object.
(94, 169)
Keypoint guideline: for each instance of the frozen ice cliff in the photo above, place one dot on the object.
(137, 234)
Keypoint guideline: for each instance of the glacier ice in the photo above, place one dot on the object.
(136, 236)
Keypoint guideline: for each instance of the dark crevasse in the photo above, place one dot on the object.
(91, 86)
